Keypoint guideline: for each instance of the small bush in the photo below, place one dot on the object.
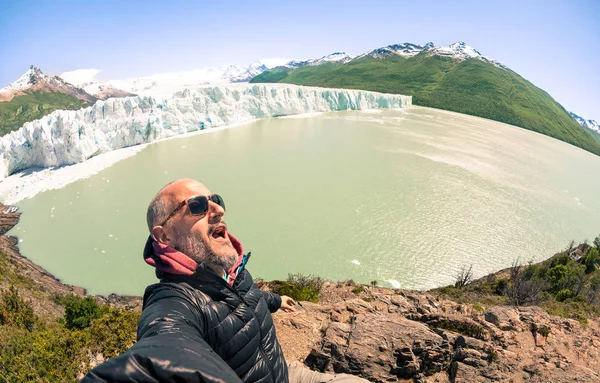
(373, 283)
(563, 295)
(500, 286)
(464, 277)
(79, 312)
(14, 311)
(591, 259)
(478, 308)
(52, 354)
(465, 328)
(295, 291)
(358, 289)
(312, 282)
(493, 356)
(114, 332)
(544, 331)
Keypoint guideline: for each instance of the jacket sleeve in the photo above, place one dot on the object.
(273, 300)
(170, 347)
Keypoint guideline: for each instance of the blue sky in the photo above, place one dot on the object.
(553, 44)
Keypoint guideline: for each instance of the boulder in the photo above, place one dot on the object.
(505, 318)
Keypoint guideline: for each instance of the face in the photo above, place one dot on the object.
(202, 238)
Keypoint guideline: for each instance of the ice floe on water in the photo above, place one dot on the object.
(356, 261)
(395, 284)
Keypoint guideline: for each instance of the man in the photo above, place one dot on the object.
(206, 321)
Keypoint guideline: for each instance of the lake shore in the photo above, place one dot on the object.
(383, 334)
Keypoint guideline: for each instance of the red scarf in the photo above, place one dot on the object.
(171, 261)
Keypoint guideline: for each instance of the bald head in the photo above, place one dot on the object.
(171, 195)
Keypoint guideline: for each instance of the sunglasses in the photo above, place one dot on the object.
(198, 205)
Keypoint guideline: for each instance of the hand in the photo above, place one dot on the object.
(287, 304)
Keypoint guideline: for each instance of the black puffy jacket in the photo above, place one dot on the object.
(198, 328)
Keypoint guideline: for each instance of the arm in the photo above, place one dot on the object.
(170, 346)
(276, 302)
(165, 359)
(273, 300)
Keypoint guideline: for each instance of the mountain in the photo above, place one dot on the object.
(456, 77)
(35, 95)
(405, 50)
(34, 80)
(590, 124)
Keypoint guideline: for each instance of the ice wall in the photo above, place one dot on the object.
(69, 137)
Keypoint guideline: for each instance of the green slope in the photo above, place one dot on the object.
(472, 87)
(32, 106)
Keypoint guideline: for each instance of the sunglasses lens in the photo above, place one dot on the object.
(218, 200)
(198, 205)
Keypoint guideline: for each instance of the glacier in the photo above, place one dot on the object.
(71, 137)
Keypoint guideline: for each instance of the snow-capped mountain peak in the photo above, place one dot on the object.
(338, 57)
(404, 50)
(589, 124)
(256, 68)
(32, 77)
(458, 50)
(36, 81)
(237, 74)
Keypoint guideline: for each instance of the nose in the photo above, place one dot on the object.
(215, 212)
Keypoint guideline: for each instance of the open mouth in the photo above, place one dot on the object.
(220, 232)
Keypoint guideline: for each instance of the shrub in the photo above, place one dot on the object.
(295, 291)
(590, 260)
(500, 286)
(15, 311)
(563, 295)
(544, 331)
(597, 242)
(471, 329)
(79, 312)
(312, 282)
(358, 289)
(520, 289)
(113, 333)
(464, 276)
(478, 308)
(373, 282)
(51, 354)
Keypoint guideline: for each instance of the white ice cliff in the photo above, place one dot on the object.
(69, 137)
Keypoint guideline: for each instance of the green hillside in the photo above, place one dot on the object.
(32, 106)
(472, 87)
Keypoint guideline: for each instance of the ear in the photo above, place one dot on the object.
(160, 235)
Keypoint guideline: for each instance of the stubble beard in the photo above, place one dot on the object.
(194, 246)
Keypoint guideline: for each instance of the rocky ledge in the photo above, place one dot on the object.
(387, 335)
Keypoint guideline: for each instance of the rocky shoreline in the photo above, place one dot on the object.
(387, 335)
(41, 286)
